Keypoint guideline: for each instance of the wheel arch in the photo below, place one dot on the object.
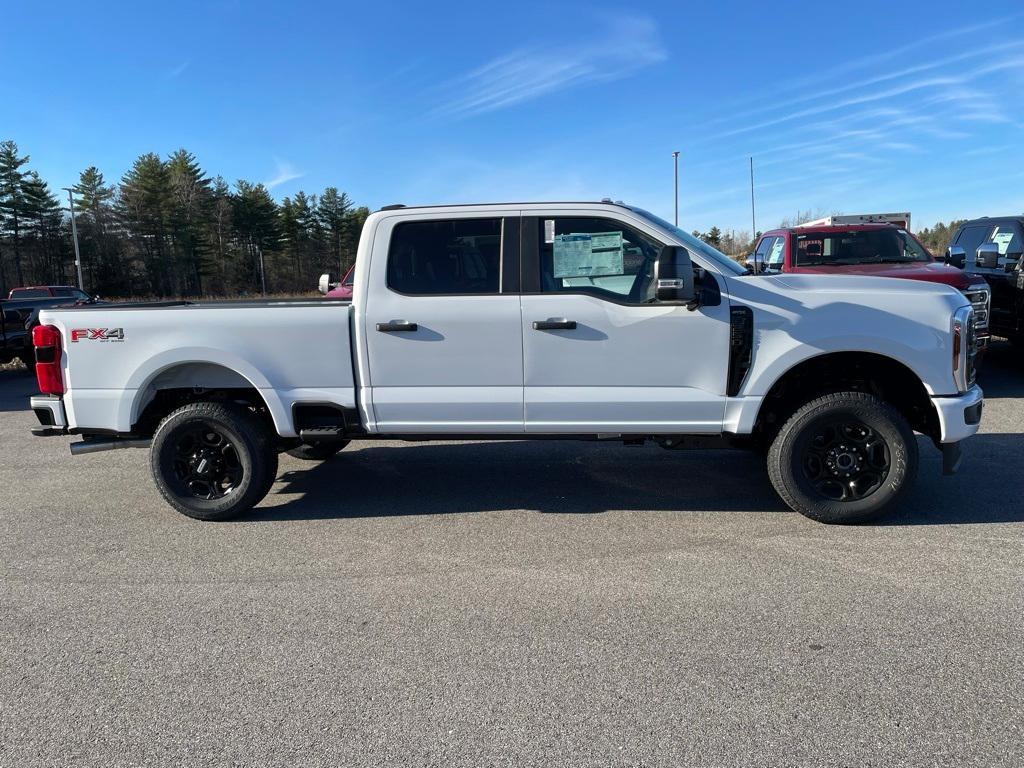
(163, 388)
(885, 377)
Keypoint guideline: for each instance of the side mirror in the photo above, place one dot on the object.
(987, 255)
(325, 283)
(956, 256)
(675, 275)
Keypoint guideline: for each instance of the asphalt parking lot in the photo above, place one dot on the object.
(510, 604)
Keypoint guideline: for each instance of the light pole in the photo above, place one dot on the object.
(753, 219)
(675, 162)
(74, 236)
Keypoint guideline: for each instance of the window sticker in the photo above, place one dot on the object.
(549, 230)
(1002, 240)
(775, 257)
(588, 255)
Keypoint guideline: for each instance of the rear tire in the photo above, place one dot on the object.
(318, 451)
(213, 461)
(843, 458)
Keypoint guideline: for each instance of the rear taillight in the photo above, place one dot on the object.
(46, 340)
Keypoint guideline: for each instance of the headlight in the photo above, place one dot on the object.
(965, 347)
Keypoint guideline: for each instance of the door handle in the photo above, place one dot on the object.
(397, 326)
(554, 324)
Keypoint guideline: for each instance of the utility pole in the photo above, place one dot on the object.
(74, 236)
(263, 274)
(753, 218)
(675, 161)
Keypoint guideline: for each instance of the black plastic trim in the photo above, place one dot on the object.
(741, 347)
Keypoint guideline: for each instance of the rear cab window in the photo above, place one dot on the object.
(445, 257)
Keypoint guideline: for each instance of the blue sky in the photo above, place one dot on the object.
(852, 107)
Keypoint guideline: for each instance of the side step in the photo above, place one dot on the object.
(322, 434)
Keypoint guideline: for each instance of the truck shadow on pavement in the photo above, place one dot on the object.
(588, 478)
(1002, 370)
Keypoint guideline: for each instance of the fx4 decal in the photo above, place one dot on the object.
(100, 334)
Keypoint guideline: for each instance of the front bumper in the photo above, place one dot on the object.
(960, 415)
(49, 409)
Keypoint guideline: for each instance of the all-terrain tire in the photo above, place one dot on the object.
(240, 460)
(835, 438)
(318, 451)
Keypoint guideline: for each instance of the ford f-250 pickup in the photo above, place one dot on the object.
(590, 321)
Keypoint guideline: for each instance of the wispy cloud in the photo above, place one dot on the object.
(285, 172)
(174, 72)
(624, 45)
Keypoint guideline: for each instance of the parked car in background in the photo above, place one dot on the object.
(18, 316)
(879, 250)
(587, 321)
(992, 249)
(342, 290)
(47, 291)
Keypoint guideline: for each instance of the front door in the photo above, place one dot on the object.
(600, 354)
(443, 338)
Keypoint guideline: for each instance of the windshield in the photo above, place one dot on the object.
(719, 259)
(867, 246)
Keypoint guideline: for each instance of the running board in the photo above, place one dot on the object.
(323, 434)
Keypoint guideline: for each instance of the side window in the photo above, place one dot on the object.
(65, 292)
(1006, 237)
(776, 255)
(971, 237)
(458, 256)
(596, 256)
(763, 248)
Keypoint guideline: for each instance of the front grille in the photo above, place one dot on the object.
(981, 301)
(972, 349)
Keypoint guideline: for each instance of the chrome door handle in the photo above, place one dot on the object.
(554, 324)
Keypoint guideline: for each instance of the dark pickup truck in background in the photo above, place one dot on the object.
(993, 249)
(17, 316)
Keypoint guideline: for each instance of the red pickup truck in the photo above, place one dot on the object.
(880, 250)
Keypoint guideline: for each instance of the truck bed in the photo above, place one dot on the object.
(117, 356)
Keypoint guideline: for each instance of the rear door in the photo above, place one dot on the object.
(442, 325)
(600, 355)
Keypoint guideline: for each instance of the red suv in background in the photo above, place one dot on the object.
(879, 250)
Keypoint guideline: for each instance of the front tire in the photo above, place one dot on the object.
(843, 458)
(213, 461)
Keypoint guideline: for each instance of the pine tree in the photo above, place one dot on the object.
(220, 229)
(42, 222)
(93, 209)
(256, 221)
(145, 200)
(190, 201)
(12, 200)
(332, 211)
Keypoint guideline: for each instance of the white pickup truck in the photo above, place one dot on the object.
(593, 321)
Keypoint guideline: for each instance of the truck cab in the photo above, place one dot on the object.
(992, 249)
(875, 249)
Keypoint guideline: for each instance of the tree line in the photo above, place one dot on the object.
(167, 228)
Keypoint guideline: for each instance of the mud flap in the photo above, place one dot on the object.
(951, 456)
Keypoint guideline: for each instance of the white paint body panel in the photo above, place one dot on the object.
(477, 366)
(289, 352)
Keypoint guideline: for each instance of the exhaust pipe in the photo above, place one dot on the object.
(95, 446)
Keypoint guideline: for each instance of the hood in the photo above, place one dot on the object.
(929, 271)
